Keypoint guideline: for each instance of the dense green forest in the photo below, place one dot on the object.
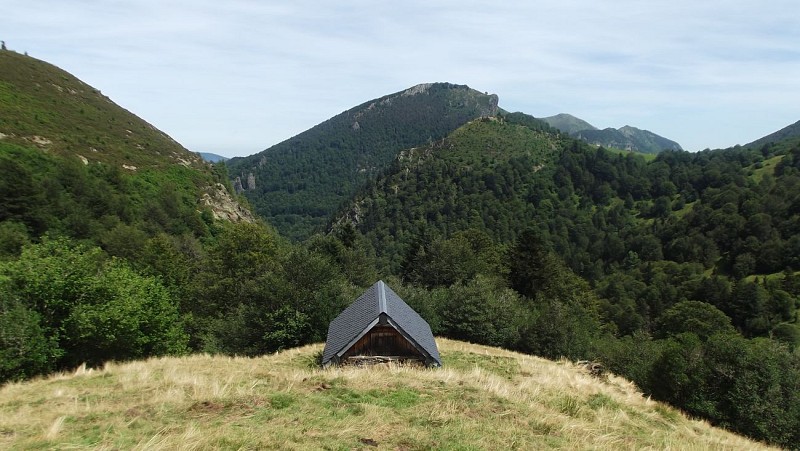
(300, 182)
(716, 226)
(678, 272)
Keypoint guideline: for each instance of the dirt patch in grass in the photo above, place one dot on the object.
(204, 407)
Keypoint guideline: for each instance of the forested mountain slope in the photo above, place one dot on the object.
(476, 177)
(298, 183)
(709, 217)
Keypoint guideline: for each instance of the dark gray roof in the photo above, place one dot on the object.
(357, 319)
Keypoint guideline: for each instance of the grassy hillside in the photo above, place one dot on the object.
(44, 106)
(483, 398)
(62, 142)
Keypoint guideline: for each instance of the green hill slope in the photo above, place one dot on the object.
(46, 107)
(298, 183)
(66, 151)
(726, 212)
(108, 212)
(483, 398)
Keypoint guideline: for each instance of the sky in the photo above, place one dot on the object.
(236, 77)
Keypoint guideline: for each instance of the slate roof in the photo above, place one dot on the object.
(364, 313)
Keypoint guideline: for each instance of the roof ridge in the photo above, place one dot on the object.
(382, 297)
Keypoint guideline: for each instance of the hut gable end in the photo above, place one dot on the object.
(380, 323)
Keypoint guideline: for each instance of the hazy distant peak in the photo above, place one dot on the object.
(627, 137)
(212, 157)
(568, 123)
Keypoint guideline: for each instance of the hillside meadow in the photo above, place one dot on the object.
(483, 398)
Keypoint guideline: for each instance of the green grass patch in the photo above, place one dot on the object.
(281, 400)
(668, 413)
(601, 401)
(506, 367)
(309, 361)
(646, 156)
(685, 210)
(399, 398)
(568, 405)
(766, 167)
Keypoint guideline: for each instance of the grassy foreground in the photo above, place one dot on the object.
(483, 398)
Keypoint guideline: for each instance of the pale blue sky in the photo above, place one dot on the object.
(235, 77)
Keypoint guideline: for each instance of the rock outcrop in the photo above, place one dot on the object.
(225, 207)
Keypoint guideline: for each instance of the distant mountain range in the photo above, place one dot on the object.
(626, 138)
(212, 157)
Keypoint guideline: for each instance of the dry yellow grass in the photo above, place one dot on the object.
(483, 398)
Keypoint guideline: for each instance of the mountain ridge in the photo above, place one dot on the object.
(482, 152)
(625, 138)
(47, 107)
(784, 134)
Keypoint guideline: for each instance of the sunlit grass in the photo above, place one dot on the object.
(766, 167)
(646, 156)
(483, 398)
